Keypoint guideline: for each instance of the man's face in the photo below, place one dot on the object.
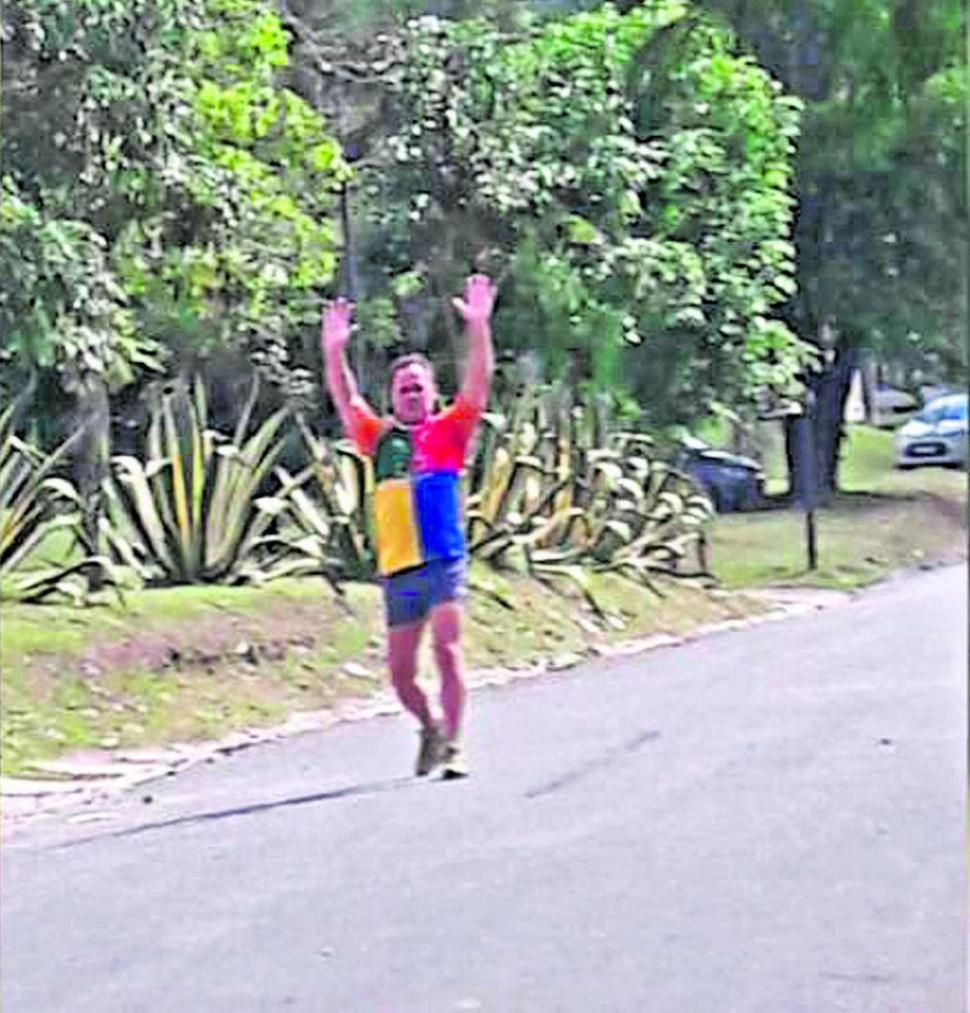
(413, 393)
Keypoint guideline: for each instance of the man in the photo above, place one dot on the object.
(418, 455)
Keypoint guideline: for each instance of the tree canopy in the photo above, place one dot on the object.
(681, 199)
(882, 230)
(627, 175)
(164, 195)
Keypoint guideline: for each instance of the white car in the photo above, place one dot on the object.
(890, 404)
(935, 435)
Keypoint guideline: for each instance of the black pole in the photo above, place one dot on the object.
(348, 269)
(811, 538)
(348, 283)
(808, 479)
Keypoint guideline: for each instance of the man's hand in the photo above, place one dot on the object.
(335, 333)
(476, 304)
(476, 310)
(334, 337)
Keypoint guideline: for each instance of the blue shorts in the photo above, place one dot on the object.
(409, 596)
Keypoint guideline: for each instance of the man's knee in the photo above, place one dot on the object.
(447, 652)
(403, 673)
(402, 660)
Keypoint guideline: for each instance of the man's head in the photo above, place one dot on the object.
(413, 389)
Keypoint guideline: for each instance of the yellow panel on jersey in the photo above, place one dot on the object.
(398, 538)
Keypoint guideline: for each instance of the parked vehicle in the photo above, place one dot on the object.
(890, 405)
(935, 435)
(733, 482)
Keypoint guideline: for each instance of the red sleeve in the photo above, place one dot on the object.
(365, 426)
(462, 419)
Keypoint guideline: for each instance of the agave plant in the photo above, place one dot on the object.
(192, 512)
(34, 502)
(550, 488)
(328, 531)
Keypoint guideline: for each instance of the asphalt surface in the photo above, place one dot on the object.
(768, 820)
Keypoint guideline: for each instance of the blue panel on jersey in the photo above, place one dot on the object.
(437, 495)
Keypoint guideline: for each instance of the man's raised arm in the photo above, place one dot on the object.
(475, 307)
(335, 336)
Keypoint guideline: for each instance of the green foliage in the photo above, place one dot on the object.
(882, 231)
(377, 319)
(551, 485)
(34, 501)
(62, 304)
(329, 526)
(629, 177)
(551, 488)
(554, 490)
(82, 583)
(177, 192)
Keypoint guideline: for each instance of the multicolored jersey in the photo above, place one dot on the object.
(417, 475)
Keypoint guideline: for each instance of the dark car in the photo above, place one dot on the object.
(733, 482)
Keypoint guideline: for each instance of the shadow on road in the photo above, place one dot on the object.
(369, 788)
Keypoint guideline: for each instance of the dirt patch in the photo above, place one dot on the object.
(203, 643)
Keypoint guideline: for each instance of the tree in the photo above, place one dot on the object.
(156, 134)
(629, 172)
(882, 218)
(63, 308)
(163, 197)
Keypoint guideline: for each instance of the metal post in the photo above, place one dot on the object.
(348, 280)
(349, 286)
(811, 539)
(808, 478)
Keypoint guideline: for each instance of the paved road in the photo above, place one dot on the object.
(768, 821)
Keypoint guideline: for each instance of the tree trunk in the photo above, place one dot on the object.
(869, 372)
(831, 390)
(91, 460)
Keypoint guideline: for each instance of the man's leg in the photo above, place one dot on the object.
(446, 634)
(406, 602)
(446, 641)
(402, 652)
(402, 658)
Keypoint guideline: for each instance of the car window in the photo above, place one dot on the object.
(944, 411)
(956, 411)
